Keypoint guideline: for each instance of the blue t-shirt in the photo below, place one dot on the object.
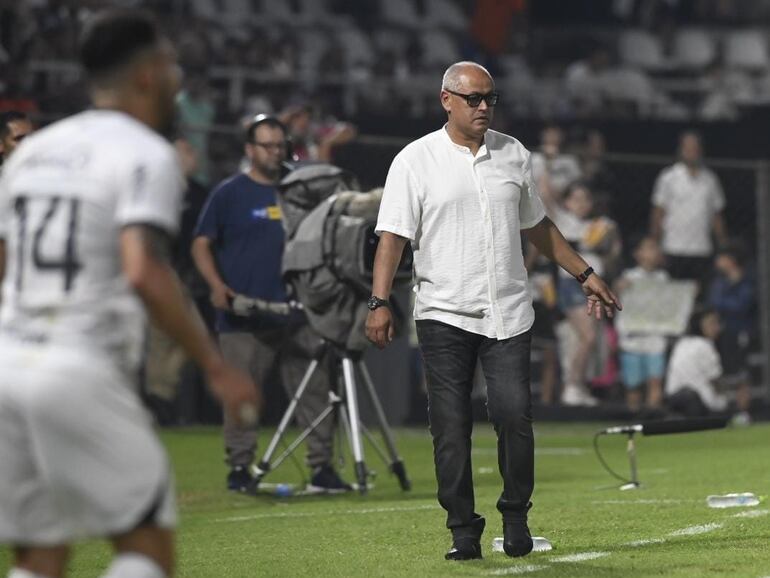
(243, 220)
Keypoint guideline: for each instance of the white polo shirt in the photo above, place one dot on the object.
(464, 215)
(689, 203)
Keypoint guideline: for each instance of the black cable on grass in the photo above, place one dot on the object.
(604, 463)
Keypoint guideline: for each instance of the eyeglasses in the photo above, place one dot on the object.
(271, 146)
(475, 99)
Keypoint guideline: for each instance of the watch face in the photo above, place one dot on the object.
(372, 303)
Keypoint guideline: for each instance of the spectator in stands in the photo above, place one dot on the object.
(687, 209)
(593, 164)
(584, 82)
(733, 295)
(643, 355)
(14, 128)
(598, 242)
(552, 168)
(695, 368)
(196, 115)
(542, 282)
(238, 249)
(313, 139)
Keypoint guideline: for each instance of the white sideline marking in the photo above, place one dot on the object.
(647, 542)
(752, 514)
(486, 470)
(643, 501)
(695, 530)
(559, 451)
(538, 451)
(327, 513)
(516, 570)
(580, 557)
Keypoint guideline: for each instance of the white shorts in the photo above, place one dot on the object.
(78, 454)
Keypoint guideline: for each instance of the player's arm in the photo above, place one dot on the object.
(145, 252)
(547, 238)
(203, 257)
(2, 260)
(720, 229)
(656, 222)
(379, 323)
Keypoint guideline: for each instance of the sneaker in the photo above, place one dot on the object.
(576, 395)
(326, 480)
(240, 480)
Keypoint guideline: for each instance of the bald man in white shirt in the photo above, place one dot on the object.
(462, 195)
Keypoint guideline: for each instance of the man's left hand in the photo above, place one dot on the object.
(600, 298)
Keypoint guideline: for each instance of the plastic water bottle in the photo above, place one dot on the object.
(539, 544)
(733, 500)
(283, 490)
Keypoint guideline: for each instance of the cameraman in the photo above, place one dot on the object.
(237, 248)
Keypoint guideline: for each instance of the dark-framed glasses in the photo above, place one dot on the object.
(271, 146)
(474, 99)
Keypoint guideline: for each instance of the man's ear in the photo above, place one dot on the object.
(445, 102)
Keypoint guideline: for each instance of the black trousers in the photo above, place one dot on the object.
(450, 355)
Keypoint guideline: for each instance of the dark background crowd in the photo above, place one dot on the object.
(613, 97)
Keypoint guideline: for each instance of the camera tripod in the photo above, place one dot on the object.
(342, 405)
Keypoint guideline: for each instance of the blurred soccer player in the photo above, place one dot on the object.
(86, 208)
(14, 128)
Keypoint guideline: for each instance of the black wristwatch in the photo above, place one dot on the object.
(375, 302)
(583, 277)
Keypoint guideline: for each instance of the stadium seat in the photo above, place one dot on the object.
(439, 49)
(640, 49)
(356, 46)
(444, 14)
(746, 49)
(400, 13)
(694, 49)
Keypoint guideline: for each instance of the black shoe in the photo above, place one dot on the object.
(240, 480)
(326, 480)
(517, 540)
(464, 549)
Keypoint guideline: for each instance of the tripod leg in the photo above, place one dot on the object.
(303, 436)
(264, 464)
(355, 430)
(396, 464)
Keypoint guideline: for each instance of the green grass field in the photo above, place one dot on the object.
(390, 533)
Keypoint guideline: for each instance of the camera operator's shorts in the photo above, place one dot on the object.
(78, 455)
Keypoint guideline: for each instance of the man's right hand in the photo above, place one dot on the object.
(240, 396)
(221, 295)
(379, 327)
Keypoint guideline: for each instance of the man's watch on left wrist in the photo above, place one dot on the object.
(583, 277)
(375, 302)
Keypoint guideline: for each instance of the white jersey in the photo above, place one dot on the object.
(65, 195)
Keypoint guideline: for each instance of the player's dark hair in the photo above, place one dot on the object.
(8, 117)
(263, 119)
(113, 37)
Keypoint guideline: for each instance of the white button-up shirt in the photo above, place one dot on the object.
(689, 203)
(464, 215)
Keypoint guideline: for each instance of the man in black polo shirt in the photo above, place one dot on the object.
(237, 248)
